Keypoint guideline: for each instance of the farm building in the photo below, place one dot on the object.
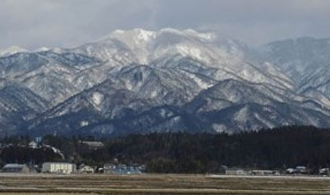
(297, 170)
(86, 169)
(94, 145)
(58, 167)
(33, 145)
(121, 169)
(16, 168)
(324, 171)
(235, 171)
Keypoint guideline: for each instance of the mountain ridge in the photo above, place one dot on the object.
(140, 81)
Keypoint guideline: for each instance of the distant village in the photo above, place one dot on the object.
(116, 167)
(122, 169)
(64, 167)
(70, 168)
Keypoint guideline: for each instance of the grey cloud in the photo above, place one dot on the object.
(254, 21)
(36, 23)
(33, 23)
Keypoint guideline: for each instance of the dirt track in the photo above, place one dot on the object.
(160, 184)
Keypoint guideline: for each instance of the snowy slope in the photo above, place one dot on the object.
(300, 58)
(139, 81)
(226, 56)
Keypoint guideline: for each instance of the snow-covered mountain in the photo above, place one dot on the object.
(141, 81)
(306, 60)
(168, 47)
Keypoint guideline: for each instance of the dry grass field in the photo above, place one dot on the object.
(42, 184)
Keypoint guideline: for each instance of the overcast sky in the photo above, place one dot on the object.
(67, 23)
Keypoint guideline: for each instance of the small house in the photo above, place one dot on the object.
(86, 169)
(324, 171)
(16, 168)
(301, 169)
(291, 171)
(33, 145)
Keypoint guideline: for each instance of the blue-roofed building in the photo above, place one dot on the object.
(121, 169)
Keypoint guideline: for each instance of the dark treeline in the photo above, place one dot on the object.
(278, 148)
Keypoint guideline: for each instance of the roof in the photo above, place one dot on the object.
(17, 166)
(86, 167)
(95, 144)
(235, 169)
(58, 163)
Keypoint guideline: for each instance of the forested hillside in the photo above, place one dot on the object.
(278, 148)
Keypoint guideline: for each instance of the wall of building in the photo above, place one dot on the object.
(66, 168)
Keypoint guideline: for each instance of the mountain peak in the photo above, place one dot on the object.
(12, 50)
(137, 34)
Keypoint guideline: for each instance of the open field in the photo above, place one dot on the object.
(148, 184)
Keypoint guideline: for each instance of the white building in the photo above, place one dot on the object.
(58, 167)
(33, 145)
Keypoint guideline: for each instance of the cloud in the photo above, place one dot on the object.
(254, 21)
(36, 23)
(33, 23)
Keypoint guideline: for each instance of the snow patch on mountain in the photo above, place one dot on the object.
(220, 128)
(97, 98)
